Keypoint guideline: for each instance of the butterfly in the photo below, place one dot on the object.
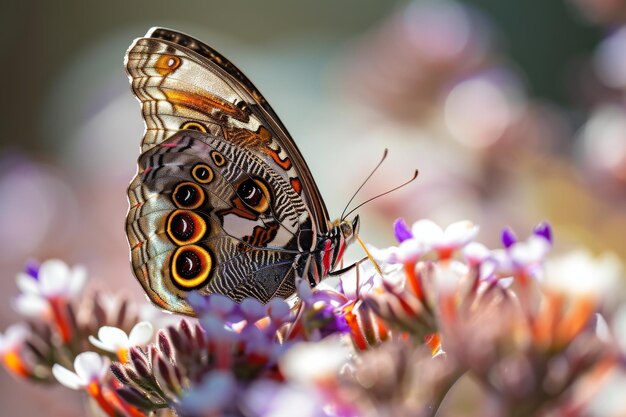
(223, 201)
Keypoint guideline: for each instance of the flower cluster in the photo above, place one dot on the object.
(391, 338)
(59, 343)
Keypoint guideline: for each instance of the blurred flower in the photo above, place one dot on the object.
(580, 274)
(90, 369)
(316, 363)
(11, 349)
(112, 339)
(610, 60)
(271, 399)
(480, 109)
(51, 282)
(397, 379)
(602, 143)
(26, 226)
(415, 54)
(523, 259)
(426, 236)
(47, 292)
(607, 12)
(214, 395)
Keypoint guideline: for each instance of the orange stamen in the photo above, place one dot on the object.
(95, 391)
(123, 354)
(581, 312)
(433, 341)
(14, 363)
(414, 280)
(353, 323)
(60, 318)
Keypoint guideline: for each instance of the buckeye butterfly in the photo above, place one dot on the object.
(223, 201)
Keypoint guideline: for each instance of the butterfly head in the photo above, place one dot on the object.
(349, 230)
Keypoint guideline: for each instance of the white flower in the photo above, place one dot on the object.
(89, 366)
(525, 257)
(476, 253)
(444, 242)
(54, 280)
(12, 338)
(579, 273)
(408, 251)
(426, 236)
(112, 339)
(311, 362)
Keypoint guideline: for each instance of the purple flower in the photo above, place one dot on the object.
(544, 230)
(214, 395)
(401, 230)
(32, 268)
(508, 238)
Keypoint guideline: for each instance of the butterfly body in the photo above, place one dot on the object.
(223, 201)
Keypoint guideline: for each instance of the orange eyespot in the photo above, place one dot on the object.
(255, 194)
(218, 158)
(188, 195)
(167, 64)
(185, 227)
(194, 126)
(191, 267)
(202, 173)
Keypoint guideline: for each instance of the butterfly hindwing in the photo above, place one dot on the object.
(209, 216)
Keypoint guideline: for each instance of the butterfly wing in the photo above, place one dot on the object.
(211, 216)
(252, 227)
(184, 84)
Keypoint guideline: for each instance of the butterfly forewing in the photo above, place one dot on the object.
(184, 84)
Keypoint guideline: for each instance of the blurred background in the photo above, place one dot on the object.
(513, 112)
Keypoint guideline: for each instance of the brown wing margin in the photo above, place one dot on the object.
(264, 110)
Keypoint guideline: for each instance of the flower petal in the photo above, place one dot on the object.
(88, 366)
(141, 333)
(531, 251)
(544, 230)
(278, 309)
(97, 343)
(476, 253)
(461, 232)
(410, 250)
(27, 284)
(13, 336)
(54, 277)
(77, 280)
(30, 305)
(508, 238)
(401, 230)
(252, 309)
(67, 377)
(427, 231)
(215, 392)
(221, 304)
(113, 337)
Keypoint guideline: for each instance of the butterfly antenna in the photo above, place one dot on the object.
(380, 195)
(364, 182)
